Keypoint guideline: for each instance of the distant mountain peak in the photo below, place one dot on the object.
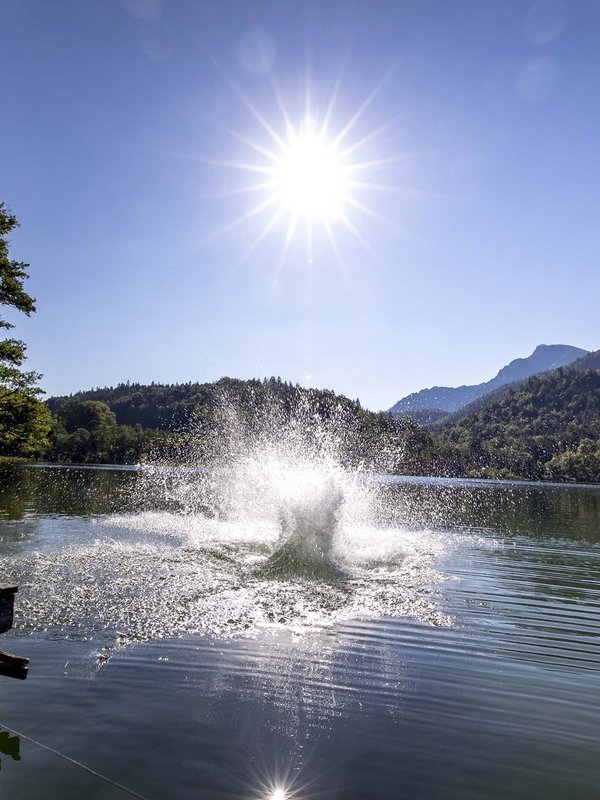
(447, 398)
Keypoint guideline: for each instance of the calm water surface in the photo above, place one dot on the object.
(457, 657)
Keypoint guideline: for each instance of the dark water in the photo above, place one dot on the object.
(480, 680)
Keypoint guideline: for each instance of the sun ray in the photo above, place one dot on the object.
(291, 230)
(333, 98)
(361, 109)
(310, 262)
(357, 166)
(307, 84)
(252, 212)
(257, 115)
(336, 249)
(360, 143)
(405, 191)
(246, 167)
(309, 238)
(350, 226)
(372, 213)
(262, 236)
(377, 187)
(259, 148)
(251, 188)
(280, 104)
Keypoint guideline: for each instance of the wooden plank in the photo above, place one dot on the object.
(13, 666)
(7, 607)
(7, 604)
(10, 666)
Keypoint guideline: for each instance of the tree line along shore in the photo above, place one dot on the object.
(547, 428)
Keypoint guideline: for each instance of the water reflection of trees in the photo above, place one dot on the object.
(63, 490)
(536, 510)
(10, 746)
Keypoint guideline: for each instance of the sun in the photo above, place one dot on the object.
(310, 178)
(310, 173)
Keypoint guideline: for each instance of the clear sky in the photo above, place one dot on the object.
(472, 237)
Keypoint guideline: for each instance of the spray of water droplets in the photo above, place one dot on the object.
(262, 521)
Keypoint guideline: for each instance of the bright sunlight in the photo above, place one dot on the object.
(310, 174)
(309, 177)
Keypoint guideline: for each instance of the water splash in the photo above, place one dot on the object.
(280, 469)
(265, 521)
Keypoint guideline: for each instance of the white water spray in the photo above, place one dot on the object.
(265, 521)
(287, 473)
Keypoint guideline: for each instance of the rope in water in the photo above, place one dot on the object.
(73, 761)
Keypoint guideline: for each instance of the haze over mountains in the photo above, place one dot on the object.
(450, 399)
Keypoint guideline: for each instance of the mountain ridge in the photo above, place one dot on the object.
(546, 427)
(451, 399)
(589, 361)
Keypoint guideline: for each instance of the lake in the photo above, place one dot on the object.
(443, 644)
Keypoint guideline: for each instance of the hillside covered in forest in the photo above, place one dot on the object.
(544, 428)
(135, 422)
(547, 427)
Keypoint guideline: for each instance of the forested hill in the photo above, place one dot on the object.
(130, 422)
(547, 427)
(171, 406)
(588, 361)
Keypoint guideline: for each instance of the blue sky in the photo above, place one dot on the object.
(122, 119)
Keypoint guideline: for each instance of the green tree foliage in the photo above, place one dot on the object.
(542, 429)
(24, 425)
(24, 420)
(546, 428)
(12, 277)
(127, 423)
(582, 464)
(86, 431)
